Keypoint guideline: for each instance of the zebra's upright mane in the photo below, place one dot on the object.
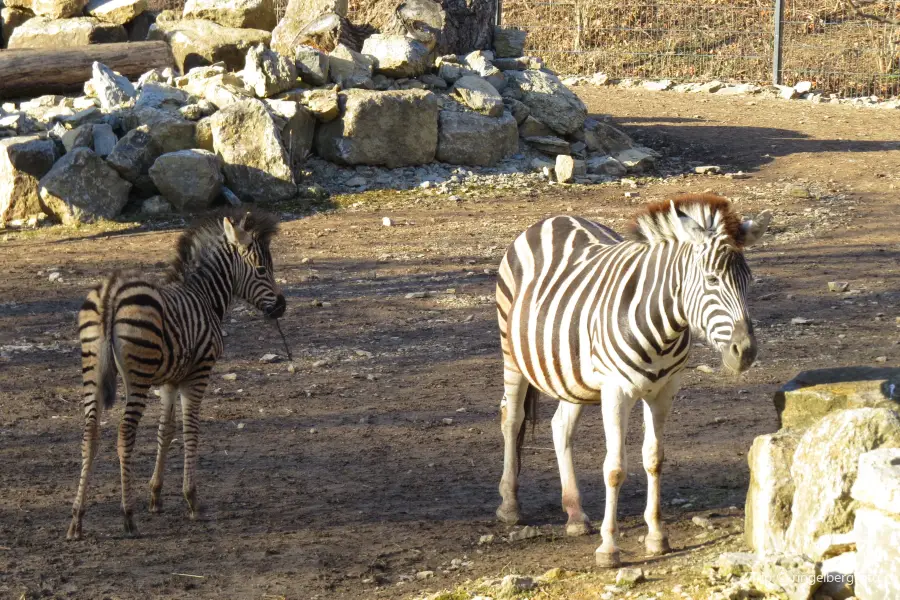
(656, 223)
(207, 233)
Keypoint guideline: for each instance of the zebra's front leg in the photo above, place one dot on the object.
(655, 413)
(512, 420)
(89, 442)
(191, 395)
(616, 406)
(131, 418)
(164, 435)
(565, 422)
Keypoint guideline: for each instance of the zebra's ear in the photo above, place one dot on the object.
(234, 234)
(686, 229)
(753, 229)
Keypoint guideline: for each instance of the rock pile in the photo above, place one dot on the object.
(68, 23)
(244, 117)
(826, 486)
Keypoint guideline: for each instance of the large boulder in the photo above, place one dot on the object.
(172, 131)
(41, 32)
(189, 179)
(877, 536)
(23, 161)
(394, 129)
(197, 43)
(479, 95)
(306, 10)
(257, 166)
(322, 103)
(549, 100)
(81, 187)
(297, 127)
(825, 468)
(350, 69)
(312, 65)
(470, 138)
(10, 18)
(58, 9)
(110, 88)
(214, 84)
(134, 154)
(814, 394)
(242, 14)
(118, 12)
(160, 95)
(397, 55)
(509, 42)
(878, 480)
(771, 492)
(267, 73)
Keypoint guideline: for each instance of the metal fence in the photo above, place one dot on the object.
(822, 41)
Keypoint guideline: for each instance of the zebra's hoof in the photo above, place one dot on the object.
(130, 528)
(578, 527)
(607, 560)
(509, 516)
(74, 532)
(657, 545)
(193, 506)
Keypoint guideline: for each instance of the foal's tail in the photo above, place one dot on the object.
(531, 415)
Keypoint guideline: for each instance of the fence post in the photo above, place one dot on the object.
(498, 18)
(776, 54)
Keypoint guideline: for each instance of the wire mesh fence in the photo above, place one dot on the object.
(825, 42)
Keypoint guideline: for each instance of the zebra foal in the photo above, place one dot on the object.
(587, 317)
(169, 335)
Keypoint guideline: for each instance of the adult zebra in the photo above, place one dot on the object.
(587, 317)
(169, 335)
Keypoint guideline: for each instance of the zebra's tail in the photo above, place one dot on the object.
(106, 372)
(531, 416)
(97, 350)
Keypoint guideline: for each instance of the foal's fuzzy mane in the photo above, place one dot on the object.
(656, 224)
(208, 231)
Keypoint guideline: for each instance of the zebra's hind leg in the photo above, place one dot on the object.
(565, 422)
(164, 435)
(131, 418)
(655, 413)
(617, 405)
(191, 394)
(512, 420)
(89, 442)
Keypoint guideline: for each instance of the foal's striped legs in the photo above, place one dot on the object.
(192, 391)
(168, 395)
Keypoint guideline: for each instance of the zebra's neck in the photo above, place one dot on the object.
(652, 295)
(212, 281)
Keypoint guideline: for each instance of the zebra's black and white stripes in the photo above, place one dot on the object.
(587, 317)
(169, 335)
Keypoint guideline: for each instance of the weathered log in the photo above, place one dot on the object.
(45, 71)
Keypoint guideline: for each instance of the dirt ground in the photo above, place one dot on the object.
(344, 479)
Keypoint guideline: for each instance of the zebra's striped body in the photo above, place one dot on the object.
(168, 335)
(587, 317)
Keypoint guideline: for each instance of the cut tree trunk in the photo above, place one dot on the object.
(468, 24)
(44, 71)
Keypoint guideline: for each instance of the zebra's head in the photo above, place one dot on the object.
(717, 278)
(713, 288)
(254, 277)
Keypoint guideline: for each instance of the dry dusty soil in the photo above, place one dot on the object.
(344, 479)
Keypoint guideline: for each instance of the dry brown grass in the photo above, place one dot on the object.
(700, 39)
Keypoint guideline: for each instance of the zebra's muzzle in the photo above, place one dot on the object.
(740, 351)
(277, 309)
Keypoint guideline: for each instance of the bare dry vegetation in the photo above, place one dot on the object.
(824, 41)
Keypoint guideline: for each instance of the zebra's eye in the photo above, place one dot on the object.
(712, 279)
(260, 270)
